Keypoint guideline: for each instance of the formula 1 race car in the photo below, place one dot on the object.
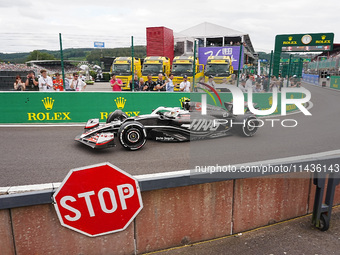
(168, 124)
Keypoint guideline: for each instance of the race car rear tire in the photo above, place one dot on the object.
(249, 127)
(132, 135)
(116, 115)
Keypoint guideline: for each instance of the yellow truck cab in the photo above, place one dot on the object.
(155, 65)
(122, 68)
(220, 67)
(183, 65)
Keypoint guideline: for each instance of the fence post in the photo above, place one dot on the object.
(132, 65)
(194, 68)
(239, 65)
(270, 69)
(62, 60)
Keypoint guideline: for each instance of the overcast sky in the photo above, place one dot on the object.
(28, 25)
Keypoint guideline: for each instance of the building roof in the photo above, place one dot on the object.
(207, 29)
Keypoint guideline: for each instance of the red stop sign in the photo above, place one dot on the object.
(98, 200)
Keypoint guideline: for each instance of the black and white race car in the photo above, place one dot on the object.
(168, 124)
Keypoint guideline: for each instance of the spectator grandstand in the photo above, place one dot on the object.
(54, 66)
(325, 64)
(14, 67)
(8, 71)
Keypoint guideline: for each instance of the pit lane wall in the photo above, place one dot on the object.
(75, 107)
(171, 217)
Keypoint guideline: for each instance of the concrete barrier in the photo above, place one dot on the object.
(170, 217)
(263, 201)
(178, 210)
(6, 234)
(178, 216)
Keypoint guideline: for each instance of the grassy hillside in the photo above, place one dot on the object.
(82, 54)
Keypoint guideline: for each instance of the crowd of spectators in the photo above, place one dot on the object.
(161, 84)
(255, 83)
(262, 83)
(56, 68)
(14, 67)
(45, 82)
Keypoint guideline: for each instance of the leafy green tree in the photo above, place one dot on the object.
(95, 55)
(37, 55)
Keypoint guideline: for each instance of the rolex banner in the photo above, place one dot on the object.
(73, 107)
(68, 107)
(335, 82)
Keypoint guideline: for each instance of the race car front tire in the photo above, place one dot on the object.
(249, 127)
(132, 135)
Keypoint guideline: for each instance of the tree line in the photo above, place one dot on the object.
(82, 54)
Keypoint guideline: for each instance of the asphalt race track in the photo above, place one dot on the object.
(32, 155)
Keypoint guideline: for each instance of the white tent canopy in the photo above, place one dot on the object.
(207, 29)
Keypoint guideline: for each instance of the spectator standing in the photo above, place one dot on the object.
(265, 83)
(199, 84)
(295, 81)
(149, 84)
(45, 82)
(31, 83)
(249, 83)
(76, 84)
(169, 85)
(259, 79)
(82, 77)
(211, 81)
(224, 82)
(160, 83)
(274, 83)
(141, 85)
(280, 82)
(116, 84)
(19, 84)
(233, 78)
(67, 82)
(58, 84)
(243, 86)
(134, 83)
(257, 88)
(185, 84)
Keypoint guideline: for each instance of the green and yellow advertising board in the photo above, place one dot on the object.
(335, 82)
(73, 107)
(313, 42)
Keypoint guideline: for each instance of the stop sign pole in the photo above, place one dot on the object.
(98, 200)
